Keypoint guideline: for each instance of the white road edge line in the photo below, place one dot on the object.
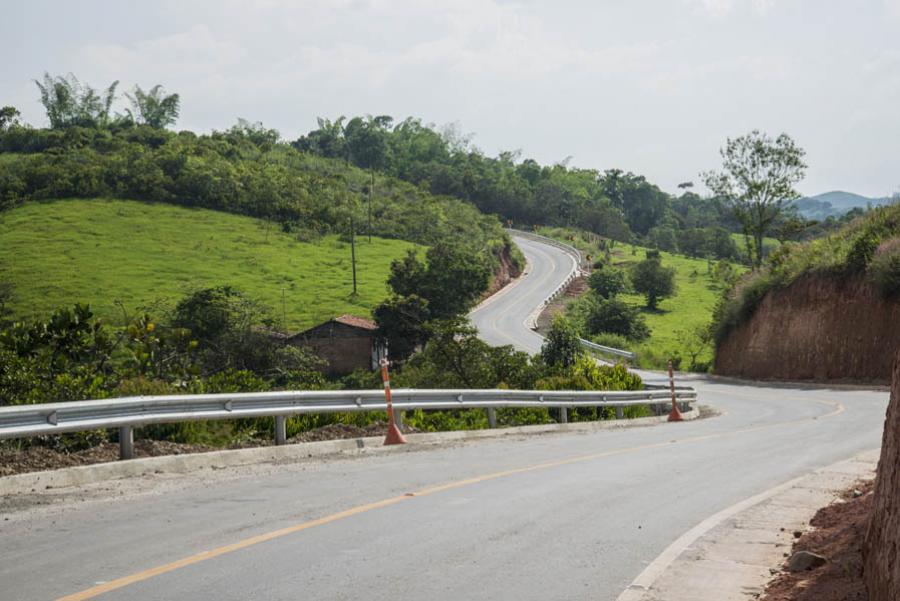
(647, 578)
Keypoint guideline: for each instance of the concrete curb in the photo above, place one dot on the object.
(180, 464)
(732, 554)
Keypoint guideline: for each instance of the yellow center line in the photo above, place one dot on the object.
(112, 585)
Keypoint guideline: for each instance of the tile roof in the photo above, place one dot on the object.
(356, 322)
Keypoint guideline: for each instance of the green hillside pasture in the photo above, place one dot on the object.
(672, 323)
(675, 318)
(150, 255)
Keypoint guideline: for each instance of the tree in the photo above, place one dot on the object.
(562, 346)
(757, 179)
(401, 323)
(9, 116)
(607, 282)
(651, 279)
(153, 107)
(614, 316)
(69, 102)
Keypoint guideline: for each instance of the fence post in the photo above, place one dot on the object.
(492, 417)
(280, 429)
(126, 442)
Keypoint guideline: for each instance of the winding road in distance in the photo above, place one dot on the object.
(565, 516)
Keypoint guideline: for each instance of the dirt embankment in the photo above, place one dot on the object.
(506, 272)
(882, 547)
(818, 328)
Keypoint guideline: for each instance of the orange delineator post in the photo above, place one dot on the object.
(675, 414)
(394, 436)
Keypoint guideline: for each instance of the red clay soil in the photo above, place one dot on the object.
(819, 328)
(837, 534)
(34, 459)
(576, 288)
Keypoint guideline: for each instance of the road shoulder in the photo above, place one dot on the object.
(732, 555)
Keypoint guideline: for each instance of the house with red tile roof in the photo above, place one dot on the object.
(347, 343)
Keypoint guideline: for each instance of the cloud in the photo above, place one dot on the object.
(722, 8)
(892, 7)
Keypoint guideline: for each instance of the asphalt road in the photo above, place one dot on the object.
(569, 516)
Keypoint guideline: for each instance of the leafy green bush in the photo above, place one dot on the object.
(617, 317)
(884, 268)
(606, 282)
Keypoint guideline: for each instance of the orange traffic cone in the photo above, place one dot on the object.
(394, 435)
(675, 414)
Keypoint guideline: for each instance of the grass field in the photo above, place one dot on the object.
(696, 295)
(147, 254)
(769, 244)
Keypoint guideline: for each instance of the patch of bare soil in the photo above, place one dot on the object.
(576, 288)
(837, 533)
(35, 459)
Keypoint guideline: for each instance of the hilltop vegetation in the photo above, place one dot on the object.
(867, 247)
(123, 255)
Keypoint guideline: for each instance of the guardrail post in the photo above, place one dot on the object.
(398, 417)
(620, 413)
(280, 429)
(563, 415)
(492, 417)
(126, 442)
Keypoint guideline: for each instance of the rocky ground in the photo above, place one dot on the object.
(38, 458)
(837, 535)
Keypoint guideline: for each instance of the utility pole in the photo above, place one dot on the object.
(371, 192)
(353, 252)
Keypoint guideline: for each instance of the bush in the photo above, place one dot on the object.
(884, 269)
(611, 340)
(615, 316)
(561, 346)
(607, 282)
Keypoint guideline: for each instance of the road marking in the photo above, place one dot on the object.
(638, 588)
(118, 583)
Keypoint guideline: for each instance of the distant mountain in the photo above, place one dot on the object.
(836, 203)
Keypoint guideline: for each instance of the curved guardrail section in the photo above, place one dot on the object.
(607, 349)
(21, 421)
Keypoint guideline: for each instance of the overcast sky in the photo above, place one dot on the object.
(650, 86)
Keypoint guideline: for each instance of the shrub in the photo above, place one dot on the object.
(884, 269)
(561, 346)
(615, 316)
(607, 282)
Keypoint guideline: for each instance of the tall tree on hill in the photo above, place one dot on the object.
(9, 115)
(367, 146)
(153, 107)
(757, 179)
(69, 102)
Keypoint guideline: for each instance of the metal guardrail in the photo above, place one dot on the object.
(608, 349)
(22, 421)
(531, 321)
(552, 242)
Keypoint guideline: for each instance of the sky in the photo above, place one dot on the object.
(650, 86)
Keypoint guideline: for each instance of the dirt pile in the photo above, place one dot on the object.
(818, 328)
(882, 548)
(837, 534)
